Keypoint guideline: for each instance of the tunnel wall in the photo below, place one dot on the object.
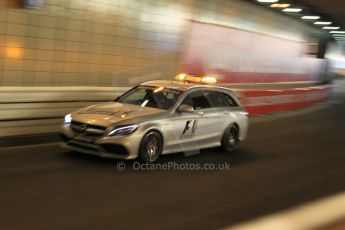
(105, 42)
(238, 56)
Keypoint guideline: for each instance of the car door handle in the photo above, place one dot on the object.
(200, 113)
(226, 112)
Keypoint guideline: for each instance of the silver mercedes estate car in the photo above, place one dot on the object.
(159, 117)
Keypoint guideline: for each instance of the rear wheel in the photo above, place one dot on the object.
(150, 147)
(230, 138)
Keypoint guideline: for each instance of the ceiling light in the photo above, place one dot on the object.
(280, 5)
(265, 1)
(337, 32)
(309, 17)
(322, 23)
(331, 27)
(292, 10)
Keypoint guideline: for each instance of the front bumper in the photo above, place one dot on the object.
(120, 147)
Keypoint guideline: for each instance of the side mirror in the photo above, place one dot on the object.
(185, 108)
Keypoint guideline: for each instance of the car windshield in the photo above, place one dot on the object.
(150, 96)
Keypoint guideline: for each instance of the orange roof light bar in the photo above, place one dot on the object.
(192, 79)
(181, 76)
(196, 79)
(208, 80)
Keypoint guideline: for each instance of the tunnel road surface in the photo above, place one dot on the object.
(284, 163)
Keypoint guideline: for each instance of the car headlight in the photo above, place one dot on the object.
(68, 119)
(123, 130)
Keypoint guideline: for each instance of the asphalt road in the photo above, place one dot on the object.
(285, 162)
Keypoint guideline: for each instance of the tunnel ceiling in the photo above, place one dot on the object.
(335, 9)
(329, 11)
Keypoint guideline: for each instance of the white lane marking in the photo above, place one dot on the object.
(305, 217)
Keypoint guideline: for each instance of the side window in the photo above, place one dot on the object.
(197, 100)
(216, 99)
(229, 100)
(170, 99)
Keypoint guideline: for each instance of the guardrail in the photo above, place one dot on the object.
(34, 110)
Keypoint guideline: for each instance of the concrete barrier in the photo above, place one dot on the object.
(268, 101)
(28, 110)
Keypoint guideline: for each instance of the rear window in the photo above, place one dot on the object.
(229, 100)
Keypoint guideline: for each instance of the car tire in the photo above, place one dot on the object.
(230, 138)
(151, 147)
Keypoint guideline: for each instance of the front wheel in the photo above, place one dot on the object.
(150, 147)
(230, 138)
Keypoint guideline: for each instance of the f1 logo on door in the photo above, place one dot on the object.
(189, 128)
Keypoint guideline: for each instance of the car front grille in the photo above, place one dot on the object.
(88, 129)
(83, 146)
